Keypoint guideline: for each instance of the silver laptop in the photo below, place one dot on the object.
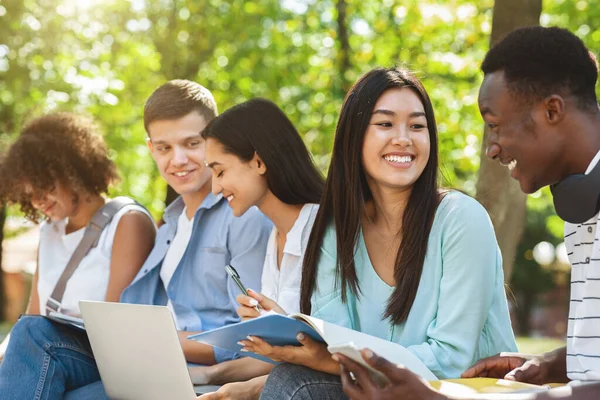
(137, 351)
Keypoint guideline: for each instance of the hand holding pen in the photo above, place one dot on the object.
(252, 304)
(255, 304)
(232, 272)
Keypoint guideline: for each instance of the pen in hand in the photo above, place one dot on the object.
(236, 278)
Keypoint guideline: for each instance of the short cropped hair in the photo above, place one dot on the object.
(60, 148)
(176, 99)
(539, 61)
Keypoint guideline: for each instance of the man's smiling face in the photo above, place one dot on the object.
(520, 136)
(179, 152)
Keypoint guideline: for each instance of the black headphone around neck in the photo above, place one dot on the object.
(577, 197)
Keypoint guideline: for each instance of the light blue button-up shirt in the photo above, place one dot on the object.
(459, 314)
(202, 294)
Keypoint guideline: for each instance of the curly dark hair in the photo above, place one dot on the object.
(57, 148)
(539, 61)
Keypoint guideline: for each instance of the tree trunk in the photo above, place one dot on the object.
(500, 194)
(344, 54)
(2, 291)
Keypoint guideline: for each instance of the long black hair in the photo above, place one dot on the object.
(259, 126)
(346, 192)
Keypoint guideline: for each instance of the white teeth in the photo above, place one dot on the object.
(398, 159)
(511, 165)
(181, 173)
(229, 198)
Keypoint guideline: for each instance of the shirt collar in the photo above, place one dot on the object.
(593, 163)
(174, 210)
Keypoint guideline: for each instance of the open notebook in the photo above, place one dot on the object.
(66, 319)
(280, 330)
(487, 388)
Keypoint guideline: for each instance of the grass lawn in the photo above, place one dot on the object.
(526, 345)
(537, 345)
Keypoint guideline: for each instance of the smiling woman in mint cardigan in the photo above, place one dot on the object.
(459, 314)
(391, 254)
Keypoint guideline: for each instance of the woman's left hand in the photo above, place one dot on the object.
(310, 353)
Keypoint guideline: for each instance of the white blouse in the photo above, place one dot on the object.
(90, 279)
(283, 284)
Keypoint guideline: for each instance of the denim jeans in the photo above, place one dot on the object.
(93, 391)
(295, 382)
(45, 360)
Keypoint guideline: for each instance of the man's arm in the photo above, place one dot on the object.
(197, 353)
(549, 367)
(405, 384)
(557, 365)
(239, 370)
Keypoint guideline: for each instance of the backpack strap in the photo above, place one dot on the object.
(90, 239)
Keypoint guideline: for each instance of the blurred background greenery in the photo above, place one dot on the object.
(104, 58)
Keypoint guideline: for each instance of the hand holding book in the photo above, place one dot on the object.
(360, 383)
(536, 369)
(310, 353)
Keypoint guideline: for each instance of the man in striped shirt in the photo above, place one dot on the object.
(538, 100)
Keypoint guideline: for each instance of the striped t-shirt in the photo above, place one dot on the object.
(583, 334)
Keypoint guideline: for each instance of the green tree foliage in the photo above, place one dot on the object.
(106, 57)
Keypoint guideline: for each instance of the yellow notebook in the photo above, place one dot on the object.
(462, 387)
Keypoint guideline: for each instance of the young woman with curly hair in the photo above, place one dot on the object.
(57, 171)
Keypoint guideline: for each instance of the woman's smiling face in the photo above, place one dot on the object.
(397, 143)
(243, 184)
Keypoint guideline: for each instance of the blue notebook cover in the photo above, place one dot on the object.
(277, 330)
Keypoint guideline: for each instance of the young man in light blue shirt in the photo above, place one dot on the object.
(186, 268)
(197, 289)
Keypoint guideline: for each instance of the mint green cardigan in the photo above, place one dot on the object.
(460, 313)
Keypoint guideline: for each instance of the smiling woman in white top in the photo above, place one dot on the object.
(92, 278)
(258, 159)
(57, 170)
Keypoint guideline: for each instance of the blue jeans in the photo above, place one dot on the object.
(45, 360)
(296, 382)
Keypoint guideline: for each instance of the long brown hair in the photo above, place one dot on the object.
(258, 126)
(346, 192)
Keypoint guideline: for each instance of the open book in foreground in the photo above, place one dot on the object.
(280, 330)
(487, 388)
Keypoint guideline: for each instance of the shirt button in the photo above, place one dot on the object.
(145, 271)
(168, 242)
(587, 260)
(589, 229)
